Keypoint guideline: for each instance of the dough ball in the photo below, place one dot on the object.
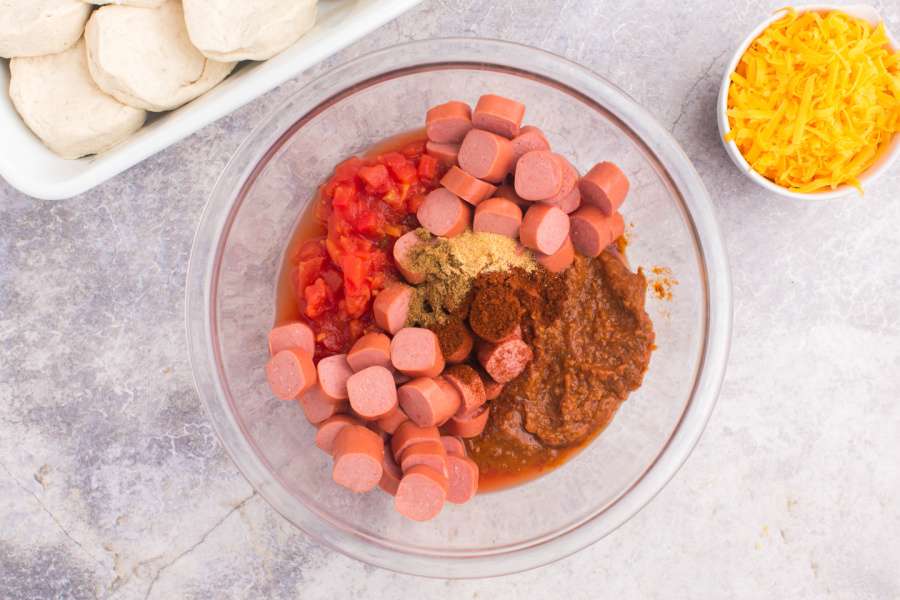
(242, 30)
(144, 58)
(139, 3)
(61, 104)
(39, 27)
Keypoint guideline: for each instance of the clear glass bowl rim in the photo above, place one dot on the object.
(549, 68)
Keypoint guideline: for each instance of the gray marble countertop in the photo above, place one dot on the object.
(113, 484)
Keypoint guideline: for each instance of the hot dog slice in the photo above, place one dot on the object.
(426, 403)
(290, 373)
(431, 454)
(391, 473)
(409, 433)
(499, 115)
(372, 392)
(402, 247)
(443, 214)
(329, 428)
(506, 360)
(445, 153)
(334, 371)
(372, 349)
(416, 352)
(498, 215)
(391, 421)
(453, 445)
(318, 406)
(605, 186)
(292, 335)
(456, 340)
(448, 122)
(569, 197)
(469, 425)
(592, 230)
(463, 479)
(358, 459)
(539, 175)
(492, 389)
(530, 138)
(469, 385)
(486, 155)
(421, 493)
(391, 307)
(560, 260)
(544, 228)
(508, 191)
(451, 392)
(467, 187)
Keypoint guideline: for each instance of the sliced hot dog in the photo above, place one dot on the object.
(318, 406)
(463, 479)
(492, 389)
(329, 428)
(334, 371)
(416, 352)
(453, 445)
(530, 138)
(486, 155)
(499, 115)
(469, 188)
(421, 493)
(372, 392)
(469, 385)
(539, 175)
(445, 153)
(443, 214)
(469, 425)
(456, 340)
(430, 453)
(402, 248)
(372, 349)
(569, 197)
(498, 215)
(391, 473)
(508, 191)
(544, 228)
(605, 186)
(391, 307)
(391, 421)
(358, 458)
(409, 433)
(448, 122)
(451, 392)
(593, 230)
(506, 360)
(290, 373)
(560, 260)
(292, 335)
(426, 403)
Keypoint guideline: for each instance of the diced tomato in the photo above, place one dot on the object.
(365, 205)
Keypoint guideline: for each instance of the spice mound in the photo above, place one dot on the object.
(451, 265)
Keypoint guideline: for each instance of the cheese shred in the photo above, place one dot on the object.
(815, 99)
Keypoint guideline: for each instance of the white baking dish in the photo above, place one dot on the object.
(29, 166)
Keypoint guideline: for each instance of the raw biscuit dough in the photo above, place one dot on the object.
(39, 27)
(138, 3)
(144, 58)
(59, 101)
(242, 30)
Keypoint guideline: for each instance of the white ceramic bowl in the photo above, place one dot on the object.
(29, 166)
(860, 11)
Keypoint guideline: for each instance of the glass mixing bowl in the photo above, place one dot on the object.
(255, 207)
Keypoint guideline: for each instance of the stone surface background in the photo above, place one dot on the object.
(113, 485)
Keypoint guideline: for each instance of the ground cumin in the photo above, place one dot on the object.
(450, 267)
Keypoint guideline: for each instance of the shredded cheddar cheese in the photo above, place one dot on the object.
(815, 99)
